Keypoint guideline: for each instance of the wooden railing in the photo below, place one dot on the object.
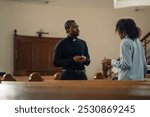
(146, 40)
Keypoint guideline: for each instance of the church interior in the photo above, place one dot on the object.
(30, 30)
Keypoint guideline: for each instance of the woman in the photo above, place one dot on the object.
(132, 64)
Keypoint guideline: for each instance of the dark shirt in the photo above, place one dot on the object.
(66, 49)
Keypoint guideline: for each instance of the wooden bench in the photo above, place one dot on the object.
(35, 76)
(82, 90)
(26, 78)
(147, 76)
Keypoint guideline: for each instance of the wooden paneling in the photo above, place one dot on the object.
(40, 55)
(23, 54)
(34, 54)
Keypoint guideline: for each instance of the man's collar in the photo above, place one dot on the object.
(72, 38)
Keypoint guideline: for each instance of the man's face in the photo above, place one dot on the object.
(73, 30)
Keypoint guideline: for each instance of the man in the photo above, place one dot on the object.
(72, 54)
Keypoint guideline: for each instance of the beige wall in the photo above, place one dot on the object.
(96, 18)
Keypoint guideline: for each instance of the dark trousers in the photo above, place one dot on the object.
(72, 75)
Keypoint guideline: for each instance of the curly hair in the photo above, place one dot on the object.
(127, 27)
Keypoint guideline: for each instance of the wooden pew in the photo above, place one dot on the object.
(57, 76)
(99, 76)
(26, 78)
(35, 76)
(147, 76)
(82, 90)
(90, 89)
(8, 77)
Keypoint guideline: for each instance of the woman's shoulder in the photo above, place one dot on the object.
(127, 42)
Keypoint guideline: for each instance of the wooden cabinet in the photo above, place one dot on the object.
(34, 54)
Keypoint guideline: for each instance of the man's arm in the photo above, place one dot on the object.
(86, 54)
(58, 60)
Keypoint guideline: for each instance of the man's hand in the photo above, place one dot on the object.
(79, 59)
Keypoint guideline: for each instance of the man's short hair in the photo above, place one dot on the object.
(68, 23)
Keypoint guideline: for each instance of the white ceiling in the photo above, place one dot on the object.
(85, 3)
(130, 3)
(70, 3)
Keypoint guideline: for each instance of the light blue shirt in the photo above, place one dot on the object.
(132, 64)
